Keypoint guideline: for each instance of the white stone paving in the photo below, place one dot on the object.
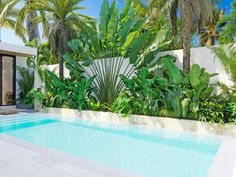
(224, 164)
(19, 158)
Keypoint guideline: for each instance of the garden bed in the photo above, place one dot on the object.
(149, 121)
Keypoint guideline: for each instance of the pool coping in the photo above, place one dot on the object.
(181, 125)
(224, 164)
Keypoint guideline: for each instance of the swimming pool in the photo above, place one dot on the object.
(145, 152)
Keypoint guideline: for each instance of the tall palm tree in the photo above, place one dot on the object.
(29, 16)
(64, 23)
(192, 12)
(7, 15)
(229, 30)
(211, 32)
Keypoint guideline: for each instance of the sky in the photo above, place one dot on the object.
(93, 9)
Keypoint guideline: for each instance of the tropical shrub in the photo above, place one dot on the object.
(216, 110)
(149, 90)
(196, 86)
(220, 108)
(127, 105)
(212, 110)
(95, 105)
(166, 91)
(231, 108)
(227, 93)
(69, 93)
(26, 84)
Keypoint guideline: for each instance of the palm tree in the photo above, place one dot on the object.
(28, 15)
(7, 15)
(192, 12)
(227, 56)
(229, 30)
(211, 32)
(152, 9)
(64, 23)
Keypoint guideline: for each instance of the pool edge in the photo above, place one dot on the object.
(224, 163)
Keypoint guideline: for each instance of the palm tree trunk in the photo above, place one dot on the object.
(186, 15)
(61, 65)
(186, 56)
(32, 27)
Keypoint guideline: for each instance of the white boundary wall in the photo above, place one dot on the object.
(202, 56)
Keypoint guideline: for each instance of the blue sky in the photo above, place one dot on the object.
(93, 9)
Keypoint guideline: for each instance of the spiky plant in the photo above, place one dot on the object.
(107, 83)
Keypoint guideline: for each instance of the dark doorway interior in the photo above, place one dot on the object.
(7, 80)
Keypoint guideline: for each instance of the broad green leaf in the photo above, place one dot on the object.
(194, 75)
(185, 105)
(194, 106)
(171, 69)
(103, 20)
(130, 38)
(205, 78)
(125, 11)
(207, 92)
(125, 29)
(112, 24)
(137, 45)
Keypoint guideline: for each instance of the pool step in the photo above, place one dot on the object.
(19, 121)
(12, 122)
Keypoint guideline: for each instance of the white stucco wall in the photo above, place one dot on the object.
(55, 68)
(202, 56)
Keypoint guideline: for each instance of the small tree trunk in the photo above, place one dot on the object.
(186, 56)
(61, 65)
(32, 28)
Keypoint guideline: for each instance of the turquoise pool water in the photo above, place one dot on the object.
(145, 152)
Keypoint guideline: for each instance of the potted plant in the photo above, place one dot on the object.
(26, 84)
